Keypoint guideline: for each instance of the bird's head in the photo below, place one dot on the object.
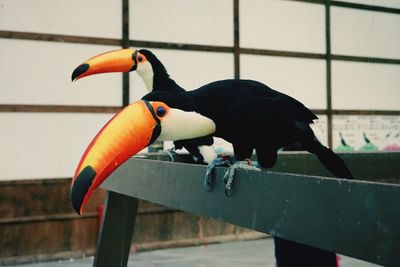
(132, 129)
(124, 60)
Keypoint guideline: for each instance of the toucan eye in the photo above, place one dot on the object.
(140, 58)
(161, 111)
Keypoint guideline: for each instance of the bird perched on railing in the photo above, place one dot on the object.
(246, 113)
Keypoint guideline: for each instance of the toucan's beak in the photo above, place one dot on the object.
(123, 60)
(128, 132)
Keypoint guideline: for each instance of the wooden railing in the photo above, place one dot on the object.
(356, 218)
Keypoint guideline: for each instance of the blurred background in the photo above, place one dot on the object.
(340, 58)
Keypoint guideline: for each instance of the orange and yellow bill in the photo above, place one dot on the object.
(128, 132)
(122, 60)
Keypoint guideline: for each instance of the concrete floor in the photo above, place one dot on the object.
(232, 254)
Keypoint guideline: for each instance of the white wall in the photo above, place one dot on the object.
(365, 86)
(49, 145)
(45, 145)
(282, 25)
(98, 18)
(180, 21)
(35, 72)
(365, 33)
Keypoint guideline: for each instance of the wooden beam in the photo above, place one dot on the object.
(58, 108)
(58, 38)
(354, 218)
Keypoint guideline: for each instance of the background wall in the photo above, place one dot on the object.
(340, 58)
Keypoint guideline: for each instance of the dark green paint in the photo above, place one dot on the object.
(354, 218)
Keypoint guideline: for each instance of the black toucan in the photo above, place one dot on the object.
(246, 113)
(156, 78)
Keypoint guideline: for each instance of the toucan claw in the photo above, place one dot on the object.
(233, 165)
(209, 180)
(230, 173)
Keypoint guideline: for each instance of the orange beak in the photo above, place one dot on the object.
(123, 60)
(128, 132)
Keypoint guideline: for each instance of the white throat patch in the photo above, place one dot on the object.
(180, 125)
(145, 71)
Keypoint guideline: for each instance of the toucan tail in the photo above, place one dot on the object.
(329, 159)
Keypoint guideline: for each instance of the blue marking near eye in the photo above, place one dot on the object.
(161, 111)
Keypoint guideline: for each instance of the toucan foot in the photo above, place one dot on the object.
(230, 173)
(209, 181)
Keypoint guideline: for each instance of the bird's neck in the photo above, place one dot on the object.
(156, 78)
(148, 80)
(146, 72)
(165, 83)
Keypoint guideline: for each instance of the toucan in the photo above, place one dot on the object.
(246, 113)
(155, 78)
